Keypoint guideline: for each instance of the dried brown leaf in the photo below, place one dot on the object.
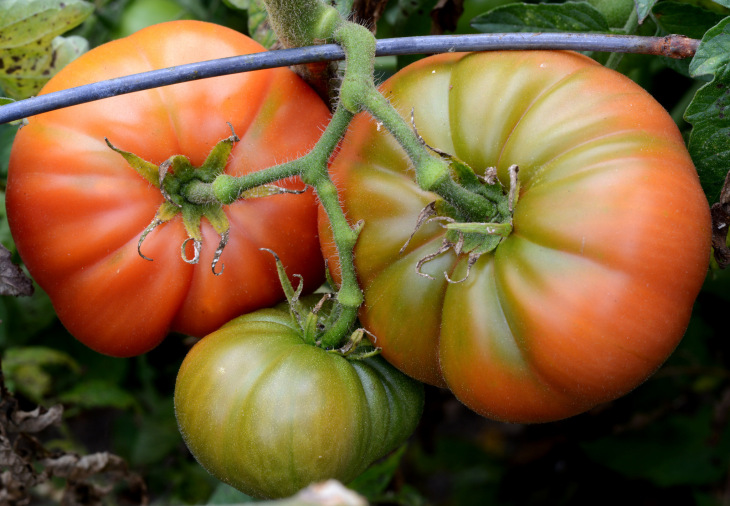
(35, 421)
(13, 280)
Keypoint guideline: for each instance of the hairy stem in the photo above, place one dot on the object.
(299, 23)
(358, 92)
(315, 174)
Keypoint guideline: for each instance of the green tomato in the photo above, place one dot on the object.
(269, 414)
(140, 14)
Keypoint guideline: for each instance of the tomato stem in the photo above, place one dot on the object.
(317, 21)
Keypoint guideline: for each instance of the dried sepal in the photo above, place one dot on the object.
(426, 213)
(156, 222)
(218, 253)
(267, 190)
(197, 246)
(353, 349)
(292, 295)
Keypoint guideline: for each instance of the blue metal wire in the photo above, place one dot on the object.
(675, 46)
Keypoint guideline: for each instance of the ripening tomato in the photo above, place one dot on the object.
(77, 209)
(610, 240)
(269, 414)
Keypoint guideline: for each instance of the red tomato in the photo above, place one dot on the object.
(76, 208)
(593, 288)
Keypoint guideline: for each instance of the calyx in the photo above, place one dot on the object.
(464, 235)
(171, 178)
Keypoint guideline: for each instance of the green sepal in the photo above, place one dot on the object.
(310, 328)
(292, 294)
(217, 158)
(481, 229)
(192, 216)
(149, 171)
(463, 174)
(217, 218)
(167, 211)
(173, 173)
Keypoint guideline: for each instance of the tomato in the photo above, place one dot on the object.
(77, 209)
(610, 239)
(269, 414)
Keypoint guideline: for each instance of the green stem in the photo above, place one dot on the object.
(300, 23)
(315, 174)
(312, 168)
(358, 92)
(227, 189)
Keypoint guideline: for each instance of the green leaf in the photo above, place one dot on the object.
(567, 17)
(709, 141)
(713, 52)
(643, 8)
(26, 21)
(32, 49)
(373, 482)
(677, 450)
(724, 3)
(258, 24)
(685, 19)
(237, 4)
(225, 494)
(158, 437)
(24, 317)
(27, 68)
(7, 134)
(98, 394)
(26, 369)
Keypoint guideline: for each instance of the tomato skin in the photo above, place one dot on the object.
(592, 290)
(76, 209)
(268, 414)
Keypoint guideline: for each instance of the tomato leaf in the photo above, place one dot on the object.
(672, 451)
(643, 8)
(569, 17)
(26, 21)
(99, 394)
(258, 24)
(26, 369)
(709, 141)
(373, 482)
(32, 50)
(226, 494)
(237, 4)
(713, 52)
(685, 19)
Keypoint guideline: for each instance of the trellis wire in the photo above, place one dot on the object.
(675, 46)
